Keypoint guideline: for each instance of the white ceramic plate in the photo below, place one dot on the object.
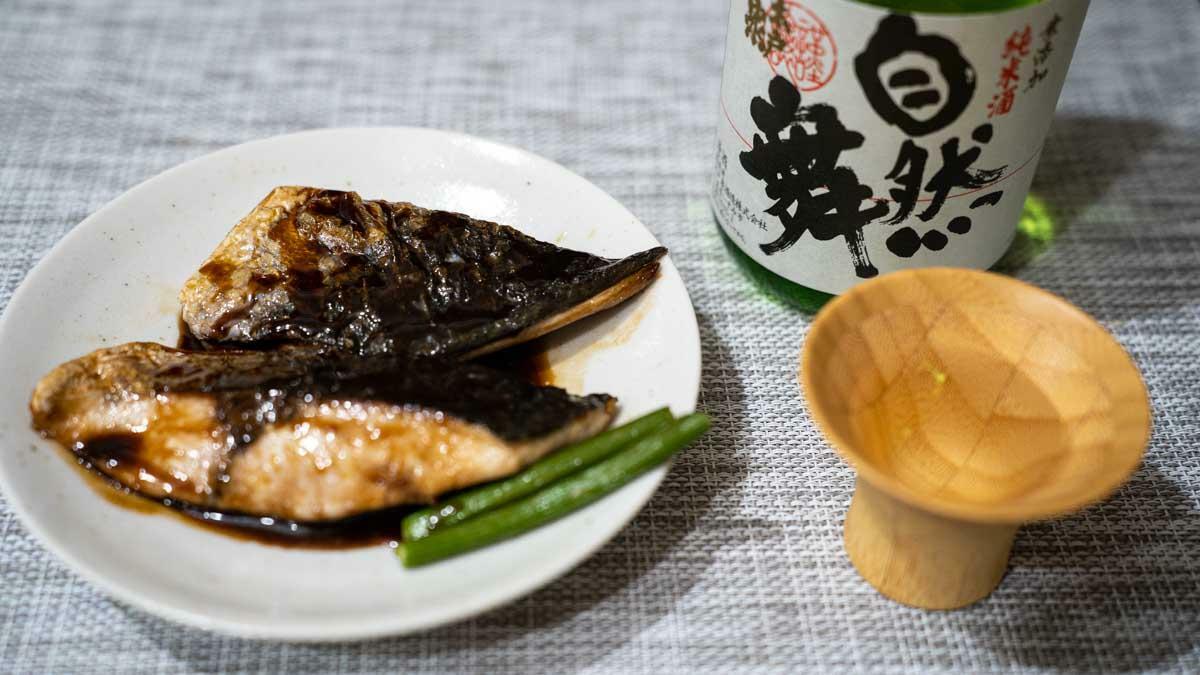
(114, 278)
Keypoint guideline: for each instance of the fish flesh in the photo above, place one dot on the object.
(327, 268)
(330, 375)
(287, 435)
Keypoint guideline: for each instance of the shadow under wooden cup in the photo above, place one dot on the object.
(968, 403)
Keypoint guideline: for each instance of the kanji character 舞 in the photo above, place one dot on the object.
(812, 192)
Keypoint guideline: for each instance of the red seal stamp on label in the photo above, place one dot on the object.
(794, 41)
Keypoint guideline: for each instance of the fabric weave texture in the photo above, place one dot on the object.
(736, 565)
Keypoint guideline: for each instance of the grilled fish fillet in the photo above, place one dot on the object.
(281, 435)
(324, 267)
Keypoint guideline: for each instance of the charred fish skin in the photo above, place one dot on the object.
(324, 267)
(273, 434)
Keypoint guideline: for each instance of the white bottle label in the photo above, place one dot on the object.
(853, 140)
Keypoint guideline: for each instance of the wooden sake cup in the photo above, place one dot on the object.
(968, 403)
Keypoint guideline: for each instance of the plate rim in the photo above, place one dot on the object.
(392, 625)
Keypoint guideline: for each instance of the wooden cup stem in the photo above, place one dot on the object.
(922, 559)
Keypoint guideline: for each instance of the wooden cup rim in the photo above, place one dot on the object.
(948, 507)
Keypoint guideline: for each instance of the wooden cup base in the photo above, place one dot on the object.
(921, 559)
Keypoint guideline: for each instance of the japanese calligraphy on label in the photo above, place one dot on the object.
(855, 140)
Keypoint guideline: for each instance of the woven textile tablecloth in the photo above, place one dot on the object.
(737, 564)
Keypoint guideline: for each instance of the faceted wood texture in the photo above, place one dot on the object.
(969, 403)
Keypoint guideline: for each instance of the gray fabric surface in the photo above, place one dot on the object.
(737, 564)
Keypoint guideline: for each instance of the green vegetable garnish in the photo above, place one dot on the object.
(570, 459)
(558, 499)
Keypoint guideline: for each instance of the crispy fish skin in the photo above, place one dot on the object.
(270, 434)
(324, 267)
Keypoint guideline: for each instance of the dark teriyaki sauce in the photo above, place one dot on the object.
(377, 527)
(374, 528)
(529, 360)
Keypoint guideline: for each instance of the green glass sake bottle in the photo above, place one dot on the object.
(820, 29)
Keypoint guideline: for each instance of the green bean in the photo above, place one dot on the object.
(558, 499)
(570, 459)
